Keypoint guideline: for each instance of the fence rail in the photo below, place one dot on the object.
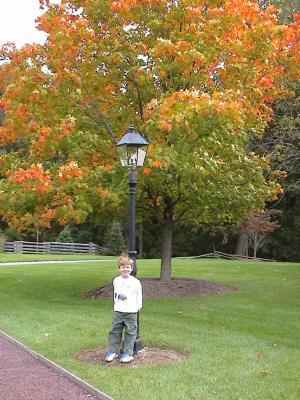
(220, 254)
(53, 247)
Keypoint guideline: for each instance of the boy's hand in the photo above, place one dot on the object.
(122, 297)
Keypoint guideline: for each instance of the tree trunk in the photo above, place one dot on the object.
(166, 269)
(37, 238)
(242, 244)
(255, 246)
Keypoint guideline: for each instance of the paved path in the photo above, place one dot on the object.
(52, 262)
(26, 375)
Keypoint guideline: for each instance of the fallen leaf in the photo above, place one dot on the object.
(266, 372)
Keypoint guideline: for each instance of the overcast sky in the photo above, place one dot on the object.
(17, 23)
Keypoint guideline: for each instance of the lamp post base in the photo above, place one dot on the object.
(138, 346)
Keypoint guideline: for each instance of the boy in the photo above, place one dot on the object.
(127, 303)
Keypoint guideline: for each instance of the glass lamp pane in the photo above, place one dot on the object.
(132, 154)
(123, 156)
(141, 157)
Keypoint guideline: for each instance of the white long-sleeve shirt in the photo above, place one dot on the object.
(128, 296)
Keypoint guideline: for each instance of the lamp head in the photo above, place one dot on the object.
(132, 148)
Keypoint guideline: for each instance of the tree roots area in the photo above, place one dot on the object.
(176, 287)
(148, 356)
(153, 288)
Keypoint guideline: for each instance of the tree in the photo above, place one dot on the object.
(114, 240)
(287, 8)
(281, 144)
(257, 226)
(65, 235)
(1, 110)
(195, 77)
(280, 136)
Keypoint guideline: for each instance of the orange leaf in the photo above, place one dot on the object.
(156, 164)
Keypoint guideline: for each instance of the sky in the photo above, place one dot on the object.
(18, 22)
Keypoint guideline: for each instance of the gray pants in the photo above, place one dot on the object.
(128, 322)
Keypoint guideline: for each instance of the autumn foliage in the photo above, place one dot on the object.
(195, 76)
(257, 226)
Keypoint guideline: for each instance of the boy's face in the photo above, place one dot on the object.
(125, 270)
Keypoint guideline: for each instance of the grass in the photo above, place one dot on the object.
(15, 257)
(242, 345)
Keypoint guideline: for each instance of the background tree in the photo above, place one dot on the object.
(194, 77)
(287, 8)
(1, 110)
(81, 235)
(65, 235)
(281, 144)
(114, 240)
(257, 226)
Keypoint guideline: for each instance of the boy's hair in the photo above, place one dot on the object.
(124, 259)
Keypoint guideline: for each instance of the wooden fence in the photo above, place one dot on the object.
(53, 247)
(220, 254)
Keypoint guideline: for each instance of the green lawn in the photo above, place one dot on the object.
(242, 345)
(12, 257)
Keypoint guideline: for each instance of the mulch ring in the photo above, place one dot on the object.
(153, 288)
(177, 287)
(149, 356)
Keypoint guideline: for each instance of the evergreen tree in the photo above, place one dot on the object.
(65, 235)
(114, 240)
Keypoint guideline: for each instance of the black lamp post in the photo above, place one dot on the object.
(132, 148)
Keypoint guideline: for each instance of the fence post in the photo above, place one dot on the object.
(46, 248)
(2, 242)
(18, 246)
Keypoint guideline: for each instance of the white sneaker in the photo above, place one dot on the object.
(126, 358)
(110, 356)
